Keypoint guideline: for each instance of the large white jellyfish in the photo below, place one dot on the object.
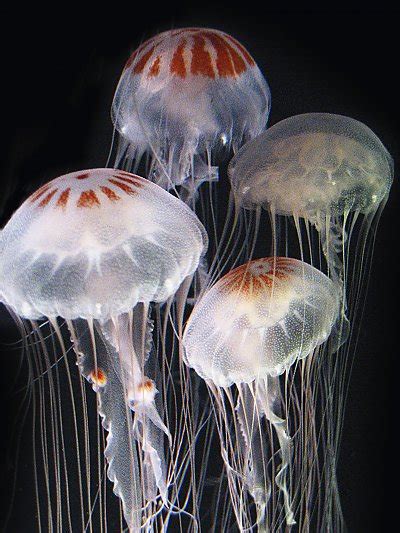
(96, 248)
(253, 329)
(330, 175)
(184, 96)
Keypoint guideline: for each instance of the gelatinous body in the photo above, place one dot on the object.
(95, 248)
(247, 330)
(312, 165)
(184, 95)
(94, 244)
(258, 319)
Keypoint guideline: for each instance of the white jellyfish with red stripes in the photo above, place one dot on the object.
(251, 337)
(185, 96)
(90, 251)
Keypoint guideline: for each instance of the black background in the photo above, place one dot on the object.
(59, 71)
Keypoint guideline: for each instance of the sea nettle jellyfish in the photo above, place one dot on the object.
(251, 338)
(330, 176)
(92, 250)
(184, 96)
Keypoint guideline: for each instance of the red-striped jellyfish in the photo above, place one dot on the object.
(251, 337)
(184, 96)
(93, 249)
(330, 175)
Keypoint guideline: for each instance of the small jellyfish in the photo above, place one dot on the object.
(95, 248)
(184, 96)
(254, 326)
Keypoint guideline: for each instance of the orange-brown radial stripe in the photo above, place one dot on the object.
(83, 176)
(177, 65)
(201, 59)
(125, 173)
(241, 279)
(40, 192)
(63, 198)
(249, 60)
(259, 283)
(135, 53)
(88, 199)
(224, 61)
(238, 62)
(47, 198)
(270, 279)
(139, 66)
(131, 180)
(238, 279)
(155, 68)
(241, 283)
(283, 264)
(111, 195)
(123, 186)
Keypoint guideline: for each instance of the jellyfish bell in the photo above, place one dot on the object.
(93, 244)
(318, 167)
(96, 247)
(251, 327)
(185, 95)
(256, 321)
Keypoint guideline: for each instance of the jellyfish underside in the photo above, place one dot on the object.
(126, 404)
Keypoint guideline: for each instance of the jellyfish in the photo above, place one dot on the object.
(321, 168)
(330, 176)
(184, 96)
(259, 323)
(93, 249)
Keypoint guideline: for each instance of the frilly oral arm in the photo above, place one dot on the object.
(149, 429)
(99, 365)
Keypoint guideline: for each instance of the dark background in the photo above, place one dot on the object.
(59, 71)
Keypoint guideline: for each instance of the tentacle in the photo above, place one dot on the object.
(333, 235)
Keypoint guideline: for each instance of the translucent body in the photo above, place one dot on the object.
(258, 319)
(183, 95)
(311, 165)
(93, 244)
(247, 330)
(96, 247)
